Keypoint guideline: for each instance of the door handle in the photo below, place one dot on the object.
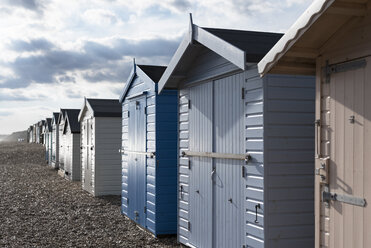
(257, 206)
(212, 174)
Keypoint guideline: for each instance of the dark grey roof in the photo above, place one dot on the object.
(105, 107)
(255, 44)
(154, 72)
(72, 118)
(61, 115)
(56, 116)
(49, 123)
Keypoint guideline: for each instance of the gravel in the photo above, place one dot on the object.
(38, 208)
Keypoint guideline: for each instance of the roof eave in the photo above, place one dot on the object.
(305, 21)
(230, 52)
(128, 82)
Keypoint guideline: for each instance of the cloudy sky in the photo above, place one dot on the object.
(55, 52)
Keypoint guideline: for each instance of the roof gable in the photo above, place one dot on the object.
(237, 46)
(150, 74)
(101, 108)
(72, 121)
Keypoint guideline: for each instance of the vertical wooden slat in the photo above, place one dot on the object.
(345, 183)
(367, 156)
(317, 195)
(359, 99)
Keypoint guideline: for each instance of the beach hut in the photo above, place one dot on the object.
(34, 133)
(100, 130)
(62, 138)
(30, 134)
(332, 41)
(47, 139)
(149, 151)
(246, 144)
(55, 141)
(71, 131)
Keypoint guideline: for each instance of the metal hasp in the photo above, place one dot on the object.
(356, 201)
(149, 154)
(246, 157)
(323, 170)
(342, 67)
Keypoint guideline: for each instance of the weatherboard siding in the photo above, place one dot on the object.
(183, 171)
(107, 179)
(208, 65)
(166, 156)
(289, 160)
(254, 145)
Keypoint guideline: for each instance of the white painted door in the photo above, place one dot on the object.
(200, 181)
(216, 119)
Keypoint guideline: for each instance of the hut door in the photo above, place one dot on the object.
(201, 168)
(228, 182)
(137, 160)
(87, 179)
(343, 173)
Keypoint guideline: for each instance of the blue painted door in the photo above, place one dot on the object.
(137, 160)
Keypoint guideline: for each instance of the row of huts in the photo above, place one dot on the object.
(246, 139)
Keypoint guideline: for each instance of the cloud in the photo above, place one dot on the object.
(181, 5)
(94, 61)
(33, 45)
(13, 97)
(73, 94)
(33, 5)
(100, 17)
(5, 113)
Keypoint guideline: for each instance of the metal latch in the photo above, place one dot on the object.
(352, 200)
(323, 169)
(136, 213)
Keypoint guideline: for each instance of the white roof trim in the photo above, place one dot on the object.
(174, 61)
(305, 21)
(212, 42)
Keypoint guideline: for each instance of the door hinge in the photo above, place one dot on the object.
(145, 209)
(189, 103)
(352, 200)
(189, 226)
(145, 110)
(243, 171)
(128, 114)
(127, 201)
(243, 93)
(189, 164)
(342, 67)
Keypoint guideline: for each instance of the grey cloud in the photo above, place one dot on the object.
(73, 94)
(13, 97)
(66, 79)
(181, 5)
(33, 5)
(32, 45)
(97, 62)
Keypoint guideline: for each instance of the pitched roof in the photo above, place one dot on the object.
(255, 44)
(61, 115)
(153, 71)
(297, 50)
(49, 123)
(105, 107)
(55, 116)
(236, 46)
(71, 118)
(149, 73)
